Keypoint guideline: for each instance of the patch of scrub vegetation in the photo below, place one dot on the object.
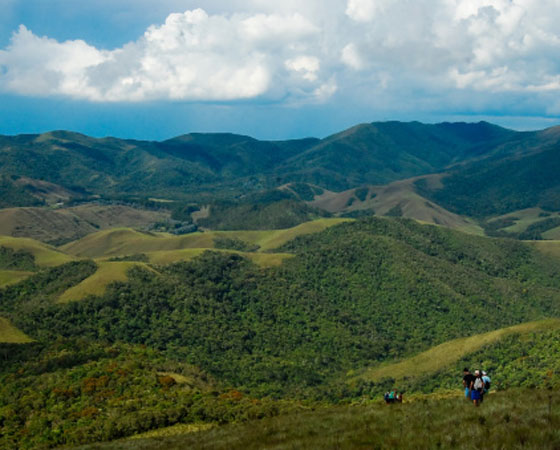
(10, 334)
(223, 242)
(11, 259)
(138, 257)
(362, 193)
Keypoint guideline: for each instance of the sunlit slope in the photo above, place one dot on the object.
(10, 334)
(551, 248)
(8, 277)
(106, 273)
(398, 199)
(125, 241)
(450, 352)
(45, 255)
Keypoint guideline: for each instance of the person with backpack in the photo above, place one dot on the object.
(487, 382)
(477, 387)
(468, 379)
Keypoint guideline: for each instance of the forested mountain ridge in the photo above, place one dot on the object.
(375, 153)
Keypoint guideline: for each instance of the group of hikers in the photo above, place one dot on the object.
(392, 397)
(476, 385)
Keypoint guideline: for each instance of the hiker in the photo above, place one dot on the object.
(398, 397)
(477, 386)
(487, 381)
(392, 396)
(386, 398)
(468, 379)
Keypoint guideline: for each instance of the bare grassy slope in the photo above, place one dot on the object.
(399, 196)
(45, 255)
(446, 354)
(68, 224)
(10, 334)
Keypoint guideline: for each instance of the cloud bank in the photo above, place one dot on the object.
(380, 51)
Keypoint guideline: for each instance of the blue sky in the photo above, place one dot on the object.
(153, 70)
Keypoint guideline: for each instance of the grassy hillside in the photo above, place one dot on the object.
(503, 421)
(447, 354)
(396, 199)
(8, 277)
(106, 273)
(118, 242)
(45, 255)
(10, 334)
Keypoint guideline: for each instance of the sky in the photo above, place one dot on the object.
(275, 70)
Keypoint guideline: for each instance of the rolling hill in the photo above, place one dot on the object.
(125, 241)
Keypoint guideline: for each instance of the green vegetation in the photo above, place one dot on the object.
(517, 419)
(11, 259)
(259, 216)
(222, 242)
(73, 392)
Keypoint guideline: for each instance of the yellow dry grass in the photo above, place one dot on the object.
(45, 255)
(125, 241)
(8, 277)
(551, 248)
(106, 273)
(448, 353)
(10, 334)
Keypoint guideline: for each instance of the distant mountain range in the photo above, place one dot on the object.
(486, 170)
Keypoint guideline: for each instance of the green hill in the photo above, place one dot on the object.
(522, 174)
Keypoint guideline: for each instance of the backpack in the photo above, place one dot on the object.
(487, 384)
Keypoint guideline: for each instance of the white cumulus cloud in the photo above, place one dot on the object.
(411, 53)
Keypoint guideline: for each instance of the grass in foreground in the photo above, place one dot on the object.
(511, 419)
(10, 334)
(448, 353)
